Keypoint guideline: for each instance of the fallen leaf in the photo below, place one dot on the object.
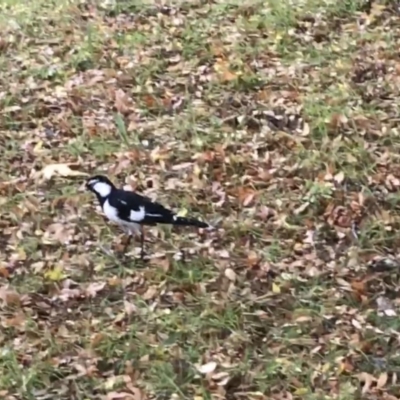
(346, 367)
(386, 306)
(4, 272)
(339, 177)
(137, 393)
(9, 296)
(97, 338)
(117, 380)
(57, 232)
(94, 288)
(130, 308)
(162, 263)
(207, 368)
(224, 254)
(359, 286)
(246, 195)
(230, 274)
(122, 102)
(150, 293)
(356, 324)
(382, 380)
(301, 391)
(222, 378)
(224, 72)
(276, 288)
(368, 380)
(55, 274)
(58, 170)
(301, 208)
(121, 395)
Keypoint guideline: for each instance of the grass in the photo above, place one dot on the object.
(277, 121)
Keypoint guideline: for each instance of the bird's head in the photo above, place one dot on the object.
(100, 185)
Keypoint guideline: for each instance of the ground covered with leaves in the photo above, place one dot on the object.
(277, 122)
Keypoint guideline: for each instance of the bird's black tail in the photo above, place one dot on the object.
(182, 221)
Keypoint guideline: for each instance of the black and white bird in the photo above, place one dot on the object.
(131, 210)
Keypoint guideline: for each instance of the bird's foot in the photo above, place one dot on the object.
(137, 255)
(144, 257)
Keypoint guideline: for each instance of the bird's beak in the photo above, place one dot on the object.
(84, 186)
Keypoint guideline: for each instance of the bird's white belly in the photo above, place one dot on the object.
(112, 214)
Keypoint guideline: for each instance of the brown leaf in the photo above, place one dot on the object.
(16, 321)
(246, 196)
(224, 72)
(122, 103)
(346, 367)
(382, 380)
(94, 288)
(57, 232)
(150, 293)
(9, 297)
(97, 338)
(150, 101)
(360, 287)
(4, 272)
(137, 393)
(58, 170)
(253, 259)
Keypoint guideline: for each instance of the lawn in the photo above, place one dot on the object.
(275, 121)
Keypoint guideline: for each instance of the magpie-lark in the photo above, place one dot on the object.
(131, 210)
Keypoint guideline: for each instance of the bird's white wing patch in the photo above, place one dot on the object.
(153, 215)
(137, 216)
(112, 214)
(102, 188)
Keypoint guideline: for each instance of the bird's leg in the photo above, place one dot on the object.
(128, 242)
(127, 231)
(136, 230)
(183, 256)
(142, 243)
